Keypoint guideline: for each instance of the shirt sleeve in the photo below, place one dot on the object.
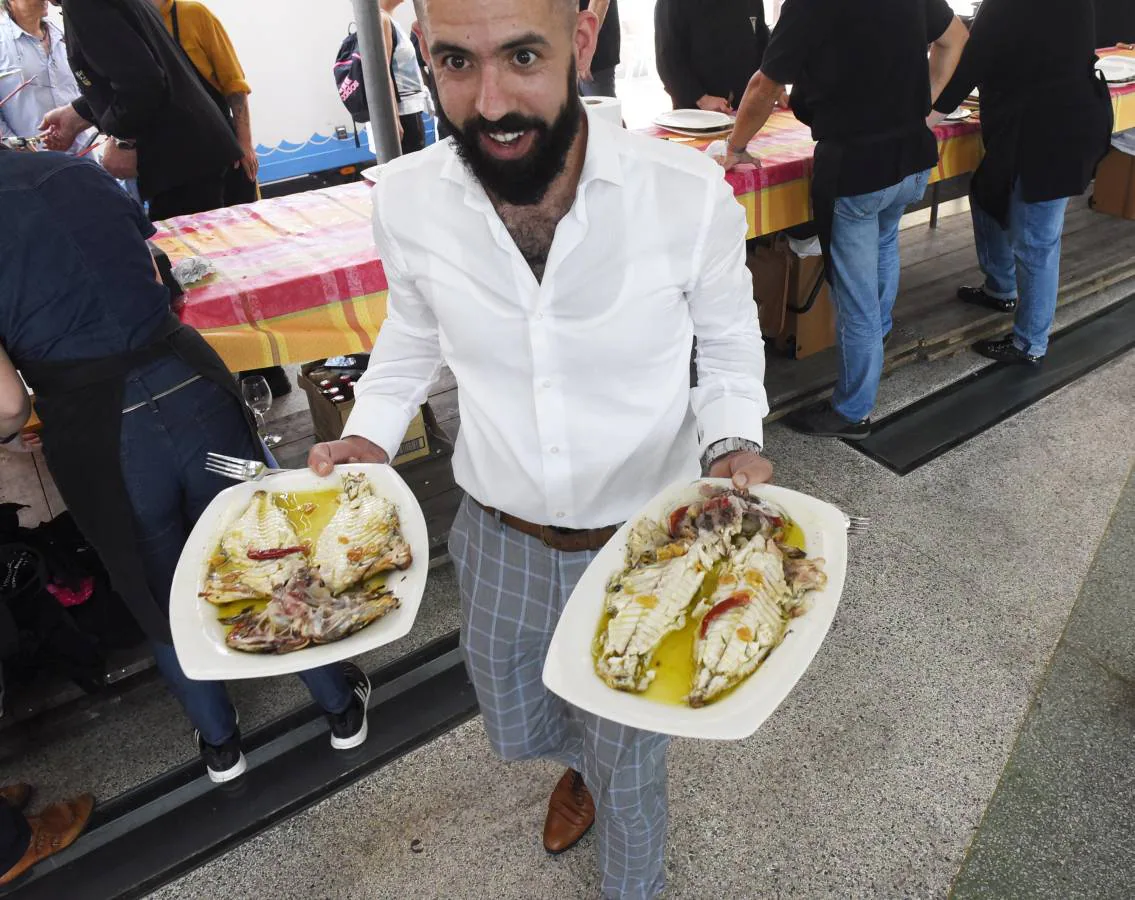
(730, 399)
(803, 25)
(939, 15)
(222, 54)
(407, 354)
(116, 52)
(672, 50)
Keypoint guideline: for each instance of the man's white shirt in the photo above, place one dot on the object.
(574, 391)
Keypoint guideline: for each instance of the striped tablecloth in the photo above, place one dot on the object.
(297, 277)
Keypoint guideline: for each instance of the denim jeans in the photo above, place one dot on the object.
(602, 84)
(163, 465)
(1023, 262)
(865, 283)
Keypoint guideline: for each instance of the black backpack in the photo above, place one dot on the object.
(349, 78)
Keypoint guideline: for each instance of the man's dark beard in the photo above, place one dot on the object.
(521, 182)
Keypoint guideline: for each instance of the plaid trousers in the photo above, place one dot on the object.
(513, 589)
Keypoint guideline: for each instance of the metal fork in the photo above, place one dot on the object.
(856, 524)
(235, 468)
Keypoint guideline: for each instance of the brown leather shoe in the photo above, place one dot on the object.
(53, 830)
(16, 795)
(571, 812)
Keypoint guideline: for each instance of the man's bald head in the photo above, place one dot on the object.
(569, 8)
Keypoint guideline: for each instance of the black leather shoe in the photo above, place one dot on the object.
(1004, 350)
(978, 297)
(821, 420)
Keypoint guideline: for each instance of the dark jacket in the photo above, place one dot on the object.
(138, 84)
(708, 47)
(1046, 117)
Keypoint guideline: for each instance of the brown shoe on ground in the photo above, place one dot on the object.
(16, 795)
(54, 829)
(571, 812)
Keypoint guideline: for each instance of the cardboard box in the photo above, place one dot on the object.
(1114, 192)
(793, 299)
(329, 419)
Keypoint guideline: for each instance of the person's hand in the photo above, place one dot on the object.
(744, 468)
(118, 162)
(354, 449)
(61, 126)
(250, 162)
(27, 442)
(732, 158)
(935, 119)
(715, 104)
(782, 101)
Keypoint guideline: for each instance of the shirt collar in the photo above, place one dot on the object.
(17, 32)
(602, 160)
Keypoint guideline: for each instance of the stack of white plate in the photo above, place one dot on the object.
(695, 122)
(1117, 69)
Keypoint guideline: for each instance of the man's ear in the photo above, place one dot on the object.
(586, 38)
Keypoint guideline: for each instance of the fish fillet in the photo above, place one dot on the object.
(362, 539)
(260, 552)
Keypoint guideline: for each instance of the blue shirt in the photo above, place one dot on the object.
(24, 57)
(76, 278)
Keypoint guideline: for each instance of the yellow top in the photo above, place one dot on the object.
(207, 44)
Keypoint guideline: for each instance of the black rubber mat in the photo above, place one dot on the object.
(163, 829)
(919, 433)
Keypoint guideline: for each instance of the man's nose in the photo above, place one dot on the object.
(492, 99)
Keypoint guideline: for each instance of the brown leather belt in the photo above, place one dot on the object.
(566, 540)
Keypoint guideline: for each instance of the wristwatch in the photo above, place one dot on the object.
(126, 143)
(720, 449)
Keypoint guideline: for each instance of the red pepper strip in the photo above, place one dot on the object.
(723, 607)
(676, 518)
(278, 553)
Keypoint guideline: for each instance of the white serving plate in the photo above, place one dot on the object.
(370, 174)
(199, 637)
(1117, 69)
(569, 670)
(959, 115)
(697, 120)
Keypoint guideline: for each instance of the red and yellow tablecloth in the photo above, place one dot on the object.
(297, 277)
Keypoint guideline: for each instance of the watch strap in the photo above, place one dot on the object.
(724, 447)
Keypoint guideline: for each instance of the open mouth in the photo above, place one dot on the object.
(507, 144)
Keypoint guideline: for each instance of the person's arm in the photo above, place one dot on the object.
(761, 97)
(599, 8)
(991, 26)
(673, 55)
(230, 76)
(404, 362)
(118, 53)
(730, 399)
(945, 53)
(15, 407)
(388, 39)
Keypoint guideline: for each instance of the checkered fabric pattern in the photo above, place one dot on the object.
(513, 589)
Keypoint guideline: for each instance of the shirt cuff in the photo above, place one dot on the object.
(381, 422)
(731, 417)
(236, 86)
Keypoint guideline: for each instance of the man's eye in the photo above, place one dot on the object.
(524, 58)
(455, 63)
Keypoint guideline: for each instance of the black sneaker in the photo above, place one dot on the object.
(823, 421)
(349, 728)
(1004, 350)
(978, 297)
(223, 762)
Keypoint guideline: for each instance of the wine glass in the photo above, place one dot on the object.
(258, 398)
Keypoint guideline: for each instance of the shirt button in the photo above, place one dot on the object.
(547, 383)
(539, 316)
(561, 515)
(554, 450)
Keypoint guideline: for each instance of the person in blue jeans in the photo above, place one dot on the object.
(1046, 121)
(873, 158)
(131, 401)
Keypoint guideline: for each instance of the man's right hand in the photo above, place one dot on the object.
(715, 104)
(61, 126)
(354, 449)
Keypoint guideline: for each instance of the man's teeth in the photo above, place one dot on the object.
(506, 137)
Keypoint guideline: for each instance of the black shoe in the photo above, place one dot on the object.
(224, 762)
(823, 421)
(349, 728)
(276, 377)
(978, 297)
(1004, 350)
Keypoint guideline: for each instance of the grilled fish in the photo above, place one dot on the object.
(649, 602)
(258, 553)
(362, 539)
(742, 621)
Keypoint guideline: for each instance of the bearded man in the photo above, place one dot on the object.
(562, 267)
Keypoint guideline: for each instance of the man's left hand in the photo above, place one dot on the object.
(744, 467)
(731, 159)
(118, 162)
(250, 162)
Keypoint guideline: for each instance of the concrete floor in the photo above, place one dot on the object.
(945, 675)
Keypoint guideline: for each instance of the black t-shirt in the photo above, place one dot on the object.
(861, 78)
(610, 38)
